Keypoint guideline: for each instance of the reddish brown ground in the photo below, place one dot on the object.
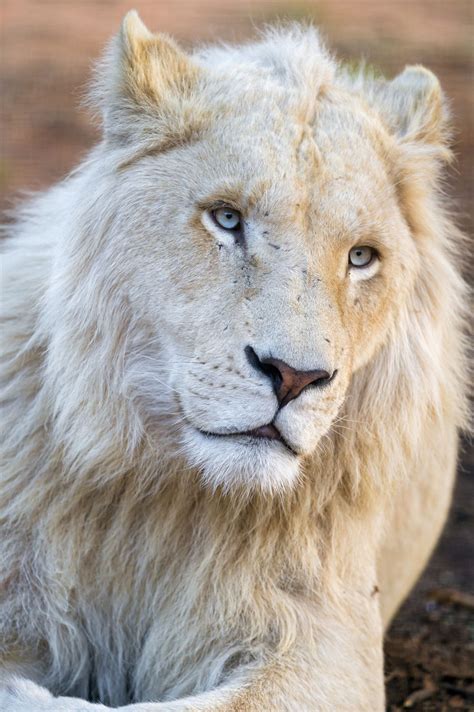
(46, 53)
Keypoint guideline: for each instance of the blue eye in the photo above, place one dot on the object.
(227, 218)
(361, 256)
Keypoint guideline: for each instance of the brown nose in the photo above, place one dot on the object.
(287, 381)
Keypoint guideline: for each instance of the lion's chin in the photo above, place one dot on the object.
(241, 463)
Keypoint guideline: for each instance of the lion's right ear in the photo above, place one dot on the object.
(144, 84)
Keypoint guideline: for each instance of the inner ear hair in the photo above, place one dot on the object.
(152, 64)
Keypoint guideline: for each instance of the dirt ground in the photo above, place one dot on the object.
(47, 48)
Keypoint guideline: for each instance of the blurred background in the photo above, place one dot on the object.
(47, 50)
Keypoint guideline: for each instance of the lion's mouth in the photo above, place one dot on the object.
(265, 432)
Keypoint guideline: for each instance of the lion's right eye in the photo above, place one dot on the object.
(227, 218)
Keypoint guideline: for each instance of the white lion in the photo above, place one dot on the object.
(232, 380)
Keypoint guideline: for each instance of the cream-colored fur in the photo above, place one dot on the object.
(143, 560)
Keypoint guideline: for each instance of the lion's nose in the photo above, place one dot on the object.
(287, 381)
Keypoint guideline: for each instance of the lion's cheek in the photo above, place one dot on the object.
(371, 315)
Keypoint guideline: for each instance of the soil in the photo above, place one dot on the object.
(46, 53)
(429, 649)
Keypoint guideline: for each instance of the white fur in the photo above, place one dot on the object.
(142, 560)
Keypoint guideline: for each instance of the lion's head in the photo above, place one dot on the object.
(253, 220)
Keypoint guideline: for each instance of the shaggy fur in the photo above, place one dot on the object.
(144, 560)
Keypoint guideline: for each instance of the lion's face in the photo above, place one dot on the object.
(279, 279)
(267, 260)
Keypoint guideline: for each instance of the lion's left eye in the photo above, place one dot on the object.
(227, 218)
(361, 256)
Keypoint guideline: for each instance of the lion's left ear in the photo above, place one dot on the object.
(413, 107)
(414, 110)
(145, 83)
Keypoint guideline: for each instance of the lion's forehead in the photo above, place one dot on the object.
(343, 153)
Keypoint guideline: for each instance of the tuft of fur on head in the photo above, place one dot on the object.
(291, 56)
